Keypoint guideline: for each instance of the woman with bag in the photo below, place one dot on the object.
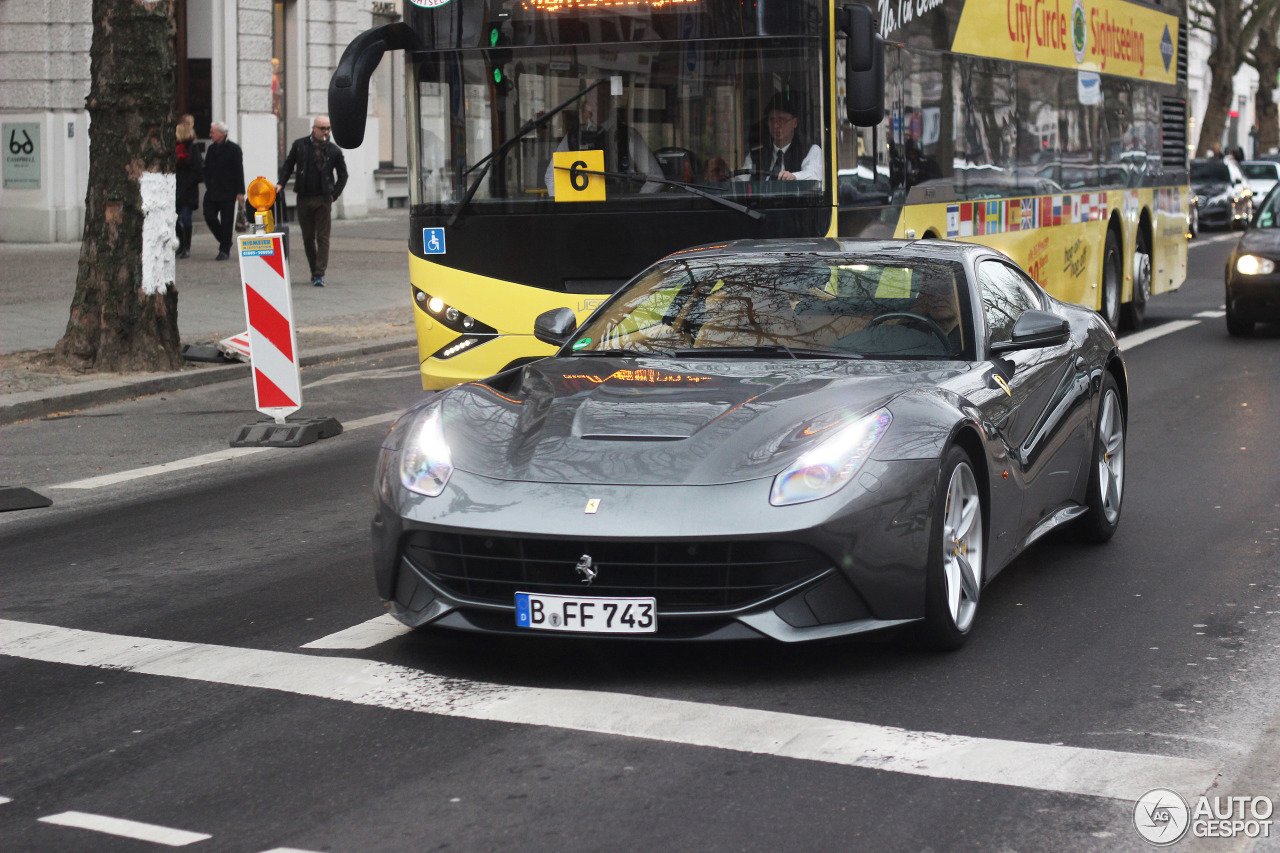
(189, 171)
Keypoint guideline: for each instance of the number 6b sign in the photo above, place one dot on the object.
(573, 181)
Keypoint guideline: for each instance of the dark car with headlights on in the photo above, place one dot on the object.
(1220, 195)
(1253, 271)
(793, 439)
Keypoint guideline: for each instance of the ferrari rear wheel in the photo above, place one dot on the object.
(955, 571)
(1106, 473)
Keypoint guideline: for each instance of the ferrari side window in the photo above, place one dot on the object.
(1005, 295)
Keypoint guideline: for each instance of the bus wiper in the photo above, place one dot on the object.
(768, 349)
(641, 178)
(529, 126)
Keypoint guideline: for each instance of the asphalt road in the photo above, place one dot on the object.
(188, 702)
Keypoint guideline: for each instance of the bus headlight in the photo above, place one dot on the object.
(451, 318)
(1254, 265)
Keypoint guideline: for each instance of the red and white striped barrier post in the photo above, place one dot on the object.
(272, 341)
(268, 308)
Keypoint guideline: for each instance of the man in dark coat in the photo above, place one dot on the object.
(223, 187)
(322, 173)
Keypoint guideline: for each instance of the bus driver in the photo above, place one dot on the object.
(786, 158)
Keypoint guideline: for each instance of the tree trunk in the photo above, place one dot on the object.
(1224, 61)
(124, 316)
(1267, 54)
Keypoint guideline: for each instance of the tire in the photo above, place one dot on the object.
(1105, 498)
(954, 573)
(1135, 311)
(1237, 326)
(1112, 270)
(1193, 221)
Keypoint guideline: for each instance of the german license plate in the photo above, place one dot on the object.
(596, 615)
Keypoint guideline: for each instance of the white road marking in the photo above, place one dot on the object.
(1075, 770)
(204, 459)
(1137, 339)
(363, 636)
(287, 850)
(127, 828)
(4, 800)
(376, 373)
(1210, 315)
(162, 468)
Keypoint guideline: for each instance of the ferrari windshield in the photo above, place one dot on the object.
(785, 306)
(699, 113)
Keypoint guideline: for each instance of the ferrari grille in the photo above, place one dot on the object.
(686, 576)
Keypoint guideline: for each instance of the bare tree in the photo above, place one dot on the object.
(1266, 59)
(1234, 26)
(124, 316)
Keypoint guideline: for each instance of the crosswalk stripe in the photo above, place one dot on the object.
(1067, 769)
(126, 828)
(363, 636)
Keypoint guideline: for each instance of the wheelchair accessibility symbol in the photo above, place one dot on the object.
(433, 241)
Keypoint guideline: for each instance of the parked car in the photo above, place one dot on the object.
(786, 439)
(1220, 193)
(1253, 271)
(1262, 175)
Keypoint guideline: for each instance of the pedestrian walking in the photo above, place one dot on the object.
(223, 186)
(189, 174)
(322, 173)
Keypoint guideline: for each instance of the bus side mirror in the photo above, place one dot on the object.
(349, 85)
(864, 66)
(555, 326)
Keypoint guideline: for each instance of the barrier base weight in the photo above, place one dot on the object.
(292, 433)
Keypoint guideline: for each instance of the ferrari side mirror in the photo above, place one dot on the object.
(555, 326)
(1034, 330)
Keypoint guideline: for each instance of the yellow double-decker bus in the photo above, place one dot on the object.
(557, 147)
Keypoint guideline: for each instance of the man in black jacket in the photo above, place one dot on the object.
(318, 187)
(223, 187)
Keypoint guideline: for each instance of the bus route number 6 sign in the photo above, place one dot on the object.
(574, 181)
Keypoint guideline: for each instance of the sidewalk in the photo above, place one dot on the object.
(363, 308)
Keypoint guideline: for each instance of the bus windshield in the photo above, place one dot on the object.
(741, 118)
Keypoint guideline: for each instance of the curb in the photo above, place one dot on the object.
(29, 405)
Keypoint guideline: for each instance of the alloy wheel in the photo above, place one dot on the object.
(1111, 456)
(962, 546)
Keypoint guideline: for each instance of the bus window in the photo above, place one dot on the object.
(665, 111)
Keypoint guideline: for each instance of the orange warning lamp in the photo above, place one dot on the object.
(261, 194)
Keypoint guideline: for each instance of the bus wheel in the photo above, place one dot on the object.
(1135, 312)
(1111, 272)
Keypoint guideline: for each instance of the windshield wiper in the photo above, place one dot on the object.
(768, 349)
(529, 126)
(641, 178)
(618, 353)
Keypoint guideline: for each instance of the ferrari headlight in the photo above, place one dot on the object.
(425, 462)
(825, 469)
(1254, 265)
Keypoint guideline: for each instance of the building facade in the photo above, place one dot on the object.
(261, 66)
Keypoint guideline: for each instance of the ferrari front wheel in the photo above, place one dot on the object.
(954, 575)
(1106, 472)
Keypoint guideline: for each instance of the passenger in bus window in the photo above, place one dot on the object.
(598, 129)
(785, 157)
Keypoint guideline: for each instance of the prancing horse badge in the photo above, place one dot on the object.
(592, 506)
